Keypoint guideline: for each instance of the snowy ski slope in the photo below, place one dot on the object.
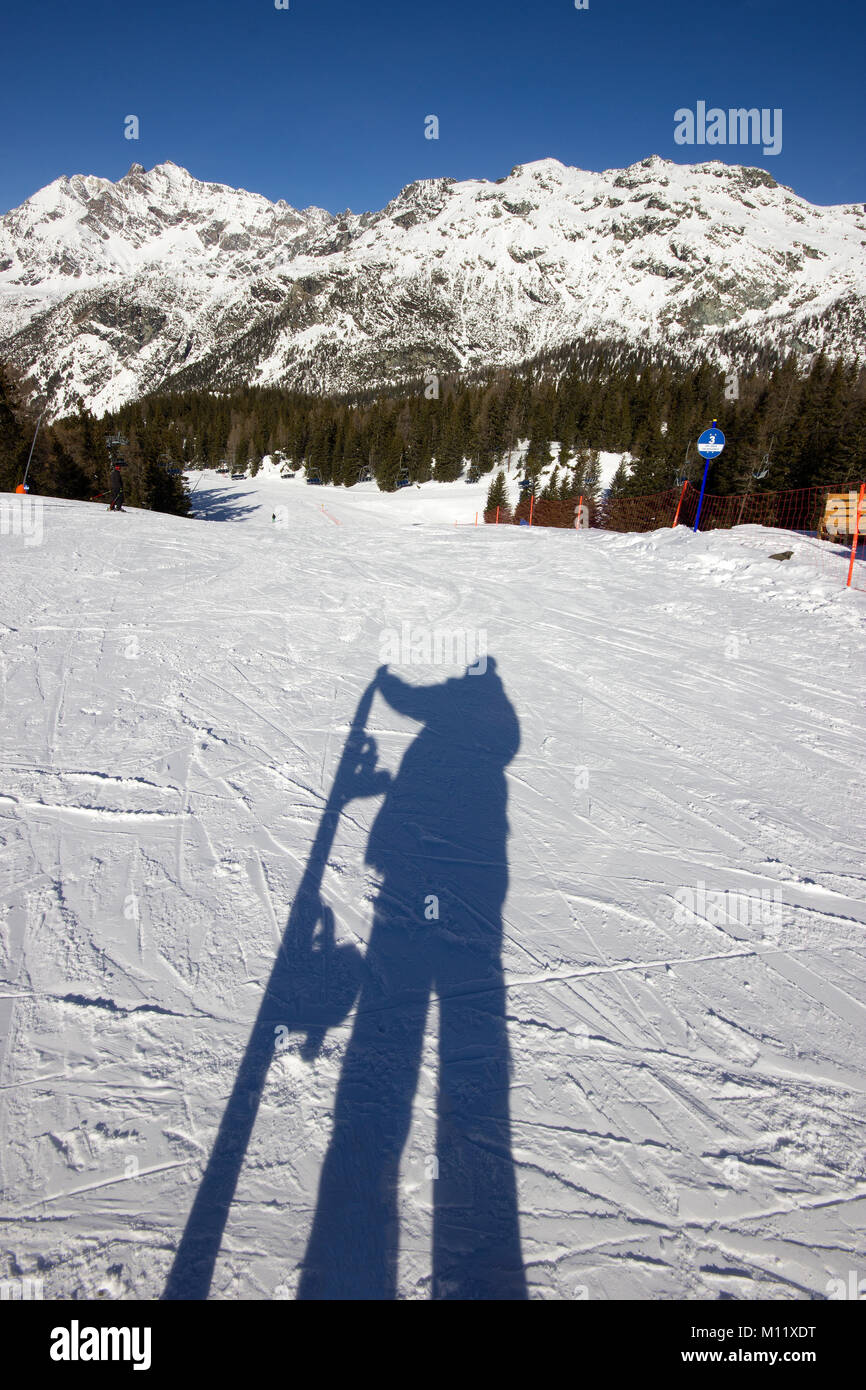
(686, 1079)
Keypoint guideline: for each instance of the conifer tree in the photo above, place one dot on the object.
(589, 483)
(13, 441)
(66, 476)
(619, 482)
(538, 457)
(497, 493)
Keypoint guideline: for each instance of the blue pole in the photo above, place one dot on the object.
(701, 498)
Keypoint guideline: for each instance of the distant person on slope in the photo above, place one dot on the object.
(116, 504)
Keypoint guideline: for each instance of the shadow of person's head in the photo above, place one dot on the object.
(448, 797)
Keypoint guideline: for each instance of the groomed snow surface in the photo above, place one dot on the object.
(677, 723)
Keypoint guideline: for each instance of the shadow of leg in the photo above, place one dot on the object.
(353, 1247)
(476, 1233)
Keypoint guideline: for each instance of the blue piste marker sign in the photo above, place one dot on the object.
(710, 445)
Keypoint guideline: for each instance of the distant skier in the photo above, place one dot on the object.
(116, 504)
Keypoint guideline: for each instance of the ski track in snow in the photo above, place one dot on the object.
(687, 1095)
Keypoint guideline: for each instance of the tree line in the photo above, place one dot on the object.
(794, 427)
(73, 457)
(798, 427)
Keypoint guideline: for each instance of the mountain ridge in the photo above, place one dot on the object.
(109, 290)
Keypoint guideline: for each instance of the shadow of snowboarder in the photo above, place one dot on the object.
(439, 842)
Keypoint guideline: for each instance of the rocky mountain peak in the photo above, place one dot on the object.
(108, 290)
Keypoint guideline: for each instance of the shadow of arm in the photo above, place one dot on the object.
(415, 701)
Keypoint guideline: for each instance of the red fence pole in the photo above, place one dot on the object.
(679, 504)
(856, 537)
(531, 505)
(497, 516)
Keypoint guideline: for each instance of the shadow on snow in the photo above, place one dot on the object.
(212, 503)
(439, 845)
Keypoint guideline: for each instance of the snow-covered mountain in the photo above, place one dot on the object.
(109, 290)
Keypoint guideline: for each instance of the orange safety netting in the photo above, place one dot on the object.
(829, 515)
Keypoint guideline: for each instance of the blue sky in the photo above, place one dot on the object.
(325, 102)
